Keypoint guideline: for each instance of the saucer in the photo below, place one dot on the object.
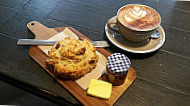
(147, 46)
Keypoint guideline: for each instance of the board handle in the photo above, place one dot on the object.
(40, 31)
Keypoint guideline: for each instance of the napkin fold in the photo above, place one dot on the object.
(100, 69)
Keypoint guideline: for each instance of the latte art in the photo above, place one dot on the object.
(137, 13)
(138, 17)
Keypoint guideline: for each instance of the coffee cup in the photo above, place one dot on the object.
(135, 22)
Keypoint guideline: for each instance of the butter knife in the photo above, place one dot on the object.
(52, 42)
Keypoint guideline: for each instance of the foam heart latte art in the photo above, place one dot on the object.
(138, 17)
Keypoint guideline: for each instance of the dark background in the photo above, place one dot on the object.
(162, 77)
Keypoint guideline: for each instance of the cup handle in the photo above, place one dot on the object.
(113, 24)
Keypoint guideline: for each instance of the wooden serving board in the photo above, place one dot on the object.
(42, 32)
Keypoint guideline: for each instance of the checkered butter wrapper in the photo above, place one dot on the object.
(100, 69)
(118, 63)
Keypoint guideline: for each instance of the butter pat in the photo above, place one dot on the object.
(99, 89)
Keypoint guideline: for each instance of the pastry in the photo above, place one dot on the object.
(72, 58)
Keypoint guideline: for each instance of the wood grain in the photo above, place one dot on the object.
(101, 11)
(163, 77)
(39, 56)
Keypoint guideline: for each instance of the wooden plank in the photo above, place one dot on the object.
(30, 13)
(6, 13)
(144, 93)
(86, 17)
(16, 4)
(39, 56)
(43, 4)
(16, 28)
(13, 95)
(177, 41)
(166, 70)
(178, 4)
(78, 16)
(149, 89)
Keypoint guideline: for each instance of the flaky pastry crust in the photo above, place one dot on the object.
(72, 58)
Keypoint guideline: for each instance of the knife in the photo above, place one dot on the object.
(52, 42)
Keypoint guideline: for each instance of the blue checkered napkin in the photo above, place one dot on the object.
(156, 34)
(118, 63)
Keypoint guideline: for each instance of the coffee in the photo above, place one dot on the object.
(135, 22)
(138, 17)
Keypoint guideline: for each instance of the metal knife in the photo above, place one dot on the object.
(52, 42)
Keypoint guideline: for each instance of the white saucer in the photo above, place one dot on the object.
(144, 47)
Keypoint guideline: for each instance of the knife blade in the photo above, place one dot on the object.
(52, 42)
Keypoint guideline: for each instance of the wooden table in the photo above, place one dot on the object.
(162, 76)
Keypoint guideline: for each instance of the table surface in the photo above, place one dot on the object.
(162, 76)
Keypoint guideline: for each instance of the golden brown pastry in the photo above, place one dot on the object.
(72, 58)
